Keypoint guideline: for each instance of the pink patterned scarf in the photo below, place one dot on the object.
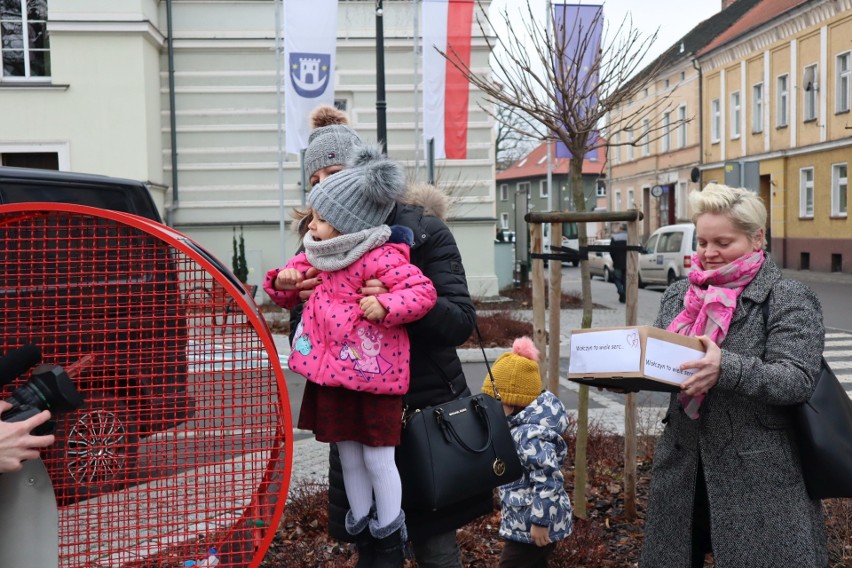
(709, 305)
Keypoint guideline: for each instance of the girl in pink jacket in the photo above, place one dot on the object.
(354, 349)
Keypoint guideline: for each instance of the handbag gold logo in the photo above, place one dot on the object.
(499, 467)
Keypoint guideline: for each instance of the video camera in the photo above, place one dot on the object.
(49, 388)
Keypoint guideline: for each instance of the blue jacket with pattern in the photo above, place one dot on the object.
(539, 496)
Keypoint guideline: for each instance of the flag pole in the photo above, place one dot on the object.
(282, 218)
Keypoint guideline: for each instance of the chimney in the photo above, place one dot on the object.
(726, 3)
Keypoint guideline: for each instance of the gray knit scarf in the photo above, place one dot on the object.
(341, 251)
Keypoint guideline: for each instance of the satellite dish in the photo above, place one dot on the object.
(695, 175)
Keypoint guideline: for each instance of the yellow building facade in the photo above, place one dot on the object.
(778, 108)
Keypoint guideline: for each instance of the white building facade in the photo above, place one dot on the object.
(105, 108)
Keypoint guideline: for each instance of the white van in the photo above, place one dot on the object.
(668, 254)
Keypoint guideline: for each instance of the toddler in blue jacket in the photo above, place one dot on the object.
(535, 509)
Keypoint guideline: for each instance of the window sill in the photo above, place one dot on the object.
(736, 137)
(32, 86)
(757, 131)
(844, 111)
(807, 120)
(806, 217)
(841, 216)
(780, 127)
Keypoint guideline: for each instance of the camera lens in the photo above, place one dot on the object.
(49, 388)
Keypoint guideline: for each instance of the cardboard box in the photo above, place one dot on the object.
(632, 358)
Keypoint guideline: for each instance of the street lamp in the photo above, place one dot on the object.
(381, 104)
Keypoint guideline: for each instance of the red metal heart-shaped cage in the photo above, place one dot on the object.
(183, 445)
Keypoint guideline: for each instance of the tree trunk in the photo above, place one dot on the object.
(580, 481)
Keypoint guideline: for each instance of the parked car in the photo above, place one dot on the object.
(668, 254)
(600, 263)
(53, 293)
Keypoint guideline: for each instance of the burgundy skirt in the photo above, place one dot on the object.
(336, 414)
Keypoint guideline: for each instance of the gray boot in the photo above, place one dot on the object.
(390, 542)
(364, 541)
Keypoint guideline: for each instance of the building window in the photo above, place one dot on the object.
(617, 203)
(715, 121)
(666, 84)
(841, 103)
(504, 192)
(681, 126)
(783, 101)
(601, 188)
(757, 108)
(736, 113)
(810, 92)
(543, 189)
(681, 199)
(646, 129)
(616, 148)
(630, 145)
(524, 187)
(682, 75)
(631, 202)
(23, 39)
(504, 221)
(839, 187)
(806, 192)
(666, 140)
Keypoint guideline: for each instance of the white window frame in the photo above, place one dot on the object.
(809, 98)
(715, 121)
(617, 201)
(646, 129)
(806, 192)
(757, 108)
(504, 192)
(27, 27)
(681, 126)
(543, 189)
(782, 106)
(736, 116)
(504, 221)
(630, 146)
(665, 139)
(600, 190)
(839, 187)
(843, 82)
(616, 148)
(631, 198)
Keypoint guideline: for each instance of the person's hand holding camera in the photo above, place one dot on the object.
(17, 444)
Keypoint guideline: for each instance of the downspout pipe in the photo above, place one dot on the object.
(700, 113)
(172, 115)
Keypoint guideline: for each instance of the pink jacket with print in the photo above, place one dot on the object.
(335, 345)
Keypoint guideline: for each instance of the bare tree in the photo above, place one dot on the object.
(510, 144)
(571, 88)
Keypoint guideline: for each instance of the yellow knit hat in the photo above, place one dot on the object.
(516, 374)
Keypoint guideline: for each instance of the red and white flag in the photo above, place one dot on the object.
(446, 92)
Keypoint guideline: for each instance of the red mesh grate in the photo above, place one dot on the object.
(183, 444)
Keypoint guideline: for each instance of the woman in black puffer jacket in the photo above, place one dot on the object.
(436, 371)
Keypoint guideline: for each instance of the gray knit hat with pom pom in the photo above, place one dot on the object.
(362, 196)
(332, 142)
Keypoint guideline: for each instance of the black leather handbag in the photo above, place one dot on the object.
(825, 438)
(456, 450)
(824, 431)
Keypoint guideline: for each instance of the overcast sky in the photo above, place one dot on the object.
(673, 17)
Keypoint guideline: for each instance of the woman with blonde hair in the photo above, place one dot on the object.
(727, 477)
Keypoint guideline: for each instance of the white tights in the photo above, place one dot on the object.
(367, 471)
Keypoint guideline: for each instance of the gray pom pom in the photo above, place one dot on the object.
(383, 181)
(364, 154)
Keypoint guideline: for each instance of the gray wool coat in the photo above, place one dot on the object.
(760, 513)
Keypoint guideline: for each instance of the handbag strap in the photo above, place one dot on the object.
(487, 366)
